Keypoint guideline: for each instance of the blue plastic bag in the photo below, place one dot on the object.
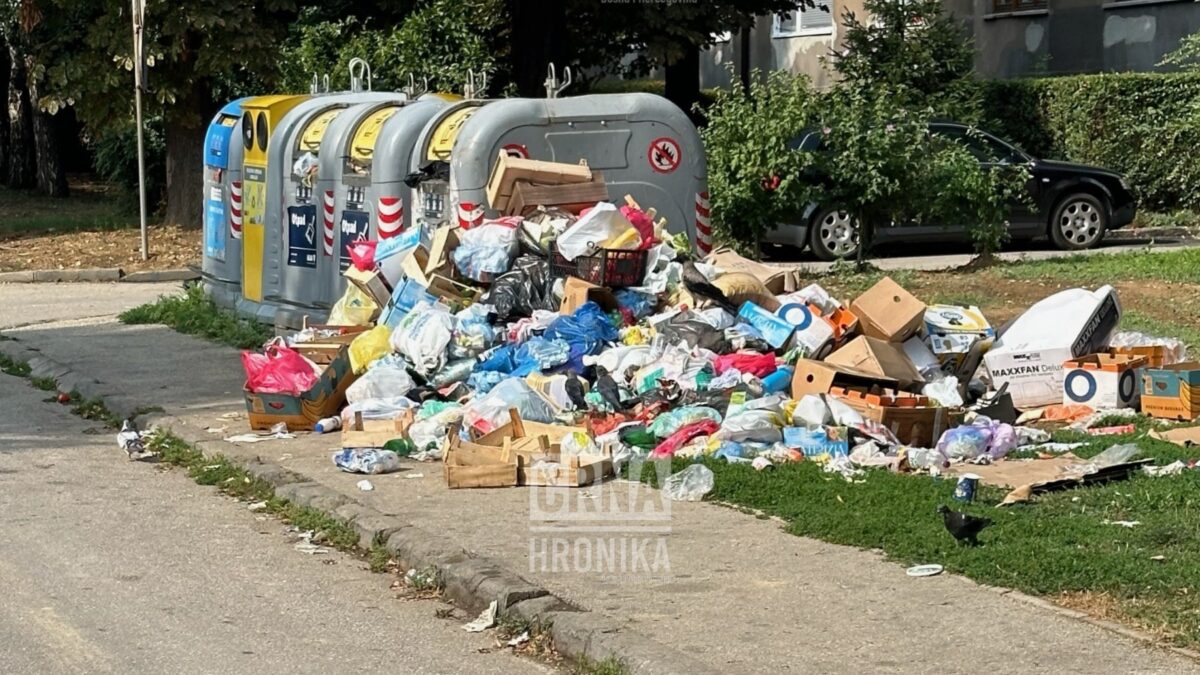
(588, 326)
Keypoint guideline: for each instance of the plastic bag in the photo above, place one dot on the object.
(354, 308)
(487, 251)
(689, 485)
(759, 365)
(279, 370)
(362, 255)
(377, 409)
(368, 346)
(386, 378)
(589, 325)
(305, 167)
(485, 413)
(1117, 454)
(1176, 350)
(811, 411)
(366, 460)
(677, 440)
(640, 304)
(669, 422)
(944, 391)
(472, 332)
(599, 224)
(689, 328)
(578, 443)
(422, 336)
(641, 222)
(842, 413)
(759, 426)
(524, 288)
(982, 436)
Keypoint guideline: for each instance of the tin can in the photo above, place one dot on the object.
(964, 491)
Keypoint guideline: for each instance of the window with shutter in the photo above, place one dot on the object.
(811, 21)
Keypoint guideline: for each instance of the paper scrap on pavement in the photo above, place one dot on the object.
(257, 506)
(258, 438)
(365, 485)
(519, 640)
(486, 619)
(413, 475)
(216, 430)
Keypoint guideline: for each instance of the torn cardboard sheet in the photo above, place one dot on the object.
(1030, 477)
(1186, 436)
(776, 280)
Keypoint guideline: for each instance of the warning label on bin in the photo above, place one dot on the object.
(214, 224)
(302, 235)
(353, 228)
(664, 154)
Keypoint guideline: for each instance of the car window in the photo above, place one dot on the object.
(986, 149)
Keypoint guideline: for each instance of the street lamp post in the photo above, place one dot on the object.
(139, 15)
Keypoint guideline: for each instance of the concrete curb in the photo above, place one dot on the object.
(101, 274)
(470, 581)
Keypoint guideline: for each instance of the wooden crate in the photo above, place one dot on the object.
(345, 336)
(573, 197)
(508, 170)
(468, 465)
(530, 442)
(375, 433)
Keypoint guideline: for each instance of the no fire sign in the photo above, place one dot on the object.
(664, 154)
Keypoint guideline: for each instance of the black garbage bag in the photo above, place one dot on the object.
(696, 332)
(526, 286)
(431, 170)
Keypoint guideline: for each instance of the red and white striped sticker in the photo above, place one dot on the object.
(327, 220)
(235, 209)
(703, 226)
(391, 217)
(469, 215)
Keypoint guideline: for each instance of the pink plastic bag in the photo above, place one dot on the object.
(362, 254)
(643, 224)
(680, 438)
(758, 365)
(278, 370)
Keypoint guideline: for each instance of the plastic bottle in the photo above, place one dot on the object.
(328, 424)
(779, 380)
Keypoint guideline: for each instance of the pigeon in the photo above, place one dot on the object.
(699, 286)
(962, 526)
(130, 440)
(608, 389)
(576, 392)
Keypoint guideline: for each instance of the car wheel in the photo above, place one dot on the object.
(1078, 222)
(833, 234)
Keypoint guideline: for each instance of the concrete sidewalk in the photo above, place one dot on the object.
(740, 594)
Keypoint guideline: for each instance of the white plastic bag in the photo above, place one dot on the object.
(366, 460)
(487, 412)
(601, 223)
(811, 411)
(386, 378)
(944, 391)
(842, 413)
(423, 335)
(759, 426)
(689, 485)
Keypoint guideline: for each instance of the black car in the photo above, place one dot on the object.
(1072, 204)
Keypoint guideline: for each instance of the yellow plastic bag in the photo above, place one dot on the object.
(355, 308)
(369, 346)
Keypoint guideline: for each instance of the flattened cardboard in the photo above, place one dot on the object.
(888, 312)
(816, 377)
(877, 357)
(1187, 436)
(576, 292)
(776, 280)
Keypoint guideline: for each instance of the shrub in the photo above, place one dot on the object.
(1144, 125)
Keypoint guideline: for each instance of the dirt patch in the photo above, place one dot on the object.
(1103, 606)
(170, 248)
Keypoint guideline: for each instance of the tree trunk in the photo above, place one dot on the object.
(21, 165)
(185, 173)
(744, 58)
(4, 74)
(51, 178)
(536, 33)
(683, 81)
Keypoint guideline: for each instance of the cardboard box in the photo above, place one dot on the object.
(917, 425)
(818, 377)
(776, 280)
(1172, 392)
(572, 197)
(372, 283)
(841, 319)
(576, 292)
(922, 358)
(1156, 355)
(1028, 356)
(888, 312)
(1103, 381)
(877, 357)
(774, 330)
(508, 170)
(812, 331)
(952, 330)
(324, 399)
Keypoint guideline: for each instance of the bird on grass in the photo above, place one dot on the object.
(961, 526)
(700, 287)
(130, 440)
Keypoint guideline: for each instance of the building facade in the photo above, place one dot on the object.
(1013, 38)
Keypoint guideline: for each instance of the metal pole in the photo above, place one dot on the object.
(139, 10)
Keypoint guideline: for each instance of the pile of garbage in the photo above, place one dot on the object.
(551, 347)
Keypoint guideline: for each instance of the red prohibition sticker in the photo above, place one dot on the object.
(664, 154)
(516, 150)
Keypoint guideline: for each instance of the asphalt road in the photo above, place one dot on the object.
(111, 566)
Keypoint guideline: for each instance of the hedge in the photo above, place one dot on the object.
(1145, 125)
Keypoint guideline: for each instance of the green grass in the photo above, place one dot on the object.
(609, 666)
(89, 207)
(1180, 218)
(194, 313)
(218, 471)
(1137, 321)
(13, 367)
(44, 383)
(93, 409)
(1058, 544)
(1177, 266)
